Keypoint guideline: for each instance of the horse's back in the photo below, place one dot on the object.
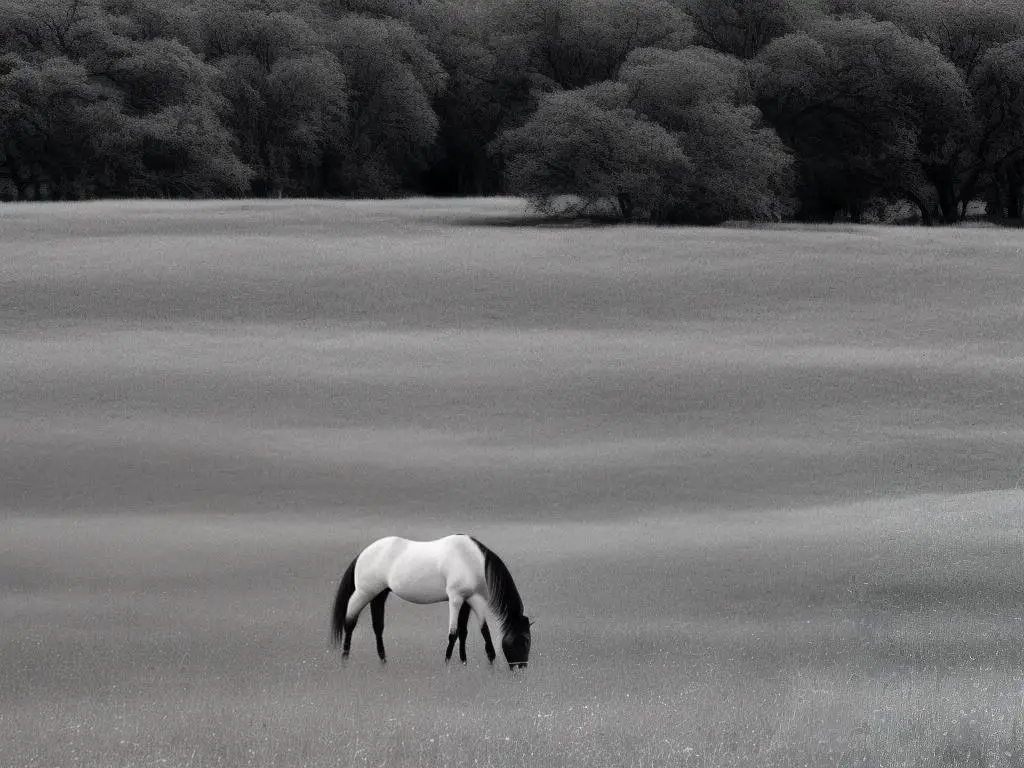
(421, 571)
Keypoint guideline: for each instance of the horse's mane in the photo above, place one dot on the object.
(504, 598)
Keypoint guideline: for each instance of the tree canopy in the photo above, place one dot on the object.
(573, 147)
(868, 109)
(662, 110)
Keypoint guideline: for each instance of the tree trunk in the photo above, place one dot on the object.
(1013, 190)
(995, 208)
(926, 214)
(1015, 201)
(947, 201)
(941, 178)
(625, 205)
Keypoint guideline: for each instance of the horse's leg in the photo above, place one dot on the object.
(377, 617)
(463, 630)
(356, 603)
(488, 645)
(455, 603)
(479, 606)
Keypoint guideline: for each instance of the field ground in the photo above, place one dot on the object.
(761, 488)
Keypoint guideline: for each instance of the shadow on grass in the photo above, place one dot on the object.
(538, 221)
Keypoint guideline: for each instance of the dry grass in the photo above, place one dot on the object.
(758, 487)
(825, 636)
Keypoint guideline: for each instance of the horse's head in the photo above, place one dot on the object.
(516, 643)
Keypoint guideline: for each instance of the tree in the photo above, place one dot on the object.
(962, 31)
(714, 158)
(287, 92)
(184, 151)
(576, 148)
(72, 29)
(667, 85)
(489, 88)
(574, 43)
(394, 79)
(49, 114)
(142, 20)
(160, 73)
(998, 85)
(172, 141)
(739, 168)
(845, 100)
(741, 28)
(90, 110)
(868, 110)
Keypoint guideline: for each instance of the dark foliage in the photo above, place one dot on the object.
(664, 110)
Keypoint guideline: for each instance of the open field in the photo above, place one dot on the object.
(762, 490)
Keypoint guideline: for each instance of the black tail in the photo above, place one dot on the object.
(345, 590)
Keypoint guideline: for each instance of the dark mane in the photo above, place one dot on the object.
(504, 598)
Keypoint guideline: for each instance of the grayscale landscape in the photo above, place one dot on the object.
(760, 488)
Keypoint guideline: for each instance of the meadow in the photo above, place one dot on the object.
(761, 488)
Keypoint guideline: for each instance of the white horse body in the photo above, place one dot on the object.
(422, 571)
(457, 569)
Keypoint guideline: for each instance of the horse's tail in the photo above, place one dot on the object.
(345, 590)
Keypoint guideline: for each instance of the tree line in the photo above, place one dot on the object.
(662, 110)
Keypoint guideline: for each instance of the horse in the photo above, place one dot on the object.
(457, 569)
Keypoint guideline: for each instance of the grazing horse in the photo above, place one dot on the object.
(458, 569)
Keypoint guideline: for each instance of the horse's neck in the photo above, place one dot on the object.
(501, 620)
